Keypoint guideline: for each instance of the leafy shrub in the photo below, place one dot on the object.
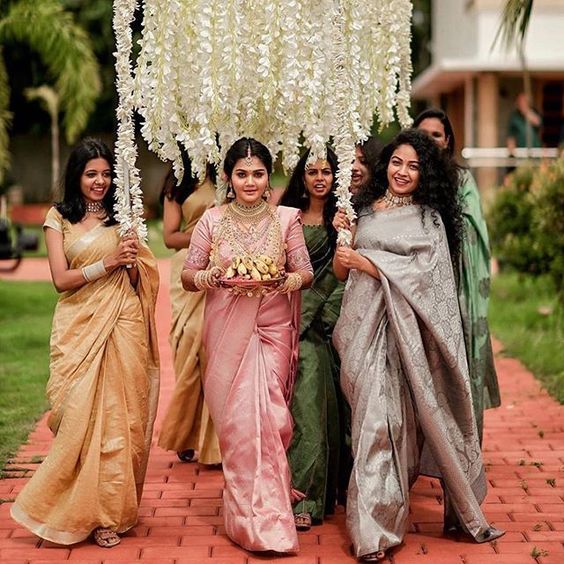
(548, 219)
(526, 222)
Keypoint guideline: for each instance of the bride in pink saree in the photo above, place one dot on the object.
(251, 344)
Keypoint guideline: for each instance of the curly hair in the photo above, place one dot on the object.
(72, 206)
(297, 196)
(437, 188)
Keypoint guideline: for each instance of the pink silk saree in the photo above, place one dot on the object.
(251, 345)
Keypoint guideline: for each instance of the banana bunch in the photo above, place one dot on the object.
(258, 268)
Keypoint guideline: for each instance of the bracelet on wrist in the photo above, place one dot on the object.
(94, 271)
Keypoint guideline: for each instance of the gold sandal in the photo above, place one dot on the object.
(106, 538)
(302, 521)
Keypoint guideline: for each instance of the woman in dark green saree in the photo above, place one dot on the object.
(318, 455)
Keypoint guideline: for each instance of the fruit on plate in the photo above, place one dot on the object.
(259, 268)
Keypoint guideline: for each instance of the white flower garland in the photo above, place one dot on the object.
(129, 198)
(290, 73)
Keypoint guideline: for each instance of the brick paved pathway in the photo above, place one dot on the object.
(181, 522)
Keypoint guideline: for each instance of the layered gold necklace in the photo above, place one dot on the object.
(249, 231)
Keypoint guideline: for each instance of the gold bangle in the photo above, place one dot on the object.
(94, 271)
(295, 281)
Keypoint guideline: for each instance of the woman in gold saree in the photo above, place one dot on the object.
(103, 382)
(251, 344)
(403, 360)
(187, 427)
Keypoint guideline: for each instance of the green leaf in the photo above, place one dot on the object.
(66, 51)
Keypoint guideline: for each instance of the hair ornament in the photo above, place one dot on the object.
(249, 157)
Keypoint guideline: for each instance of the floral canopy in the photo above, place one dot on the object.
(290, 73)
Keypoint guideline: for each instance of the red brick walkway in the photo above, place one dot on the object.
(181, 523)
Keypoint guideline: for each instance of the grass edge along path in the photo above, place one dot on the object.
(526, 317)
(26, 311)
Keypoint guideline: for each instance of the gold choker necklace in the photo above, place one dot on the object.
(394, 201)
(248, 211)
(94, 207)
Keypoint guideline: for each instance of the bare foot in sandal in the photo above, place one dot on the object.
(302, 521)
(106, 538)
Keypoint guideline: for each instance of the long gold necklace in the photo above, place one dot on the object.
(243, 227)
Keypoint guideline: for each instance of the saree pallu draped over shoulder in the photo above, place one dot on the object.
(405, 375)
(103, 390)
(251, 347)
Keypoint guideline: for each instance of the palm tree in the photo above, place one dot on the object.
(49, 100)
(65, 50)
(512, 32)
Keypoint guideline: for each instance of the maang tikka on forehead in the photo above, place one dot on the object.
(249, 157)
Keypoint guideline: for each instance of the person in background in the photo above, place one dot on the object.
(187, 427)
(523, 128)
(104, 379)
(251, 326)
(366, 155)
(318, 453)
(403, 360)
(473, 273)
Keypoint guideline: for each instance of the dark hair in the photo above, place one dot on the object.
(370, 150)
(72, 206)
(296, 194)
(435, 113)
(437, 188)
(240, 150)
(179, 192)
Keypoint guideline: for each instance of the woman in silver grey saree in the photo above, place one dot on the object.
(473, 270)
(400, 339)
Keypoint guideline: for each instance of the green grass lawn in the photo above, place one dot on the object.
(26, 310)
(526, 318)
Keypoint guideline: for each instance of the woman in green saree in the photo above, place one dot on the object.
(473, 274)
(317, 454)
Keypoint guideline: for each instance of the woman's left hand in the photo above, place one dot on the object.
(292, 283)
(349, 258)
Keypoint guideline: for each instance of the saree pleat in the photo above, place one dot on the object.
(404, 373)
(247, 401)
(473, 295)
(103, 389)
(251, 348)
(315, 451)
(187, 423)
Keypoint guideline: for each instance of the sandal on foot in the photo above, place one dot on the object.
(377, 556)
(106, 538)
(188, 455)
(302, 521)
(490, 534)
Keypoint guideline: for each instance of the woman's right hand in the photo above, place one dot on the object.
(341, 221)
(124, 255)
